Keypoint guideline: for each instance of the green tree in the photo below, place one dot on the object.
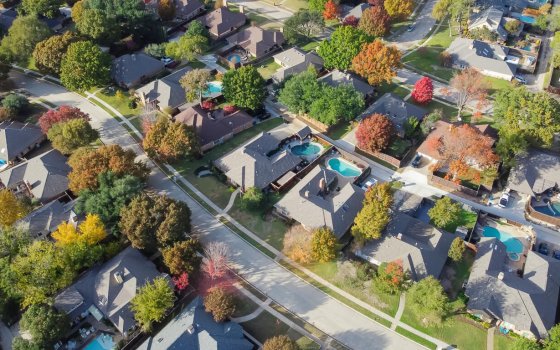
(18, 45)
(244, 87)
(188, 47)
(19, 343)
(300, 91)
(15, 104)
(170, 141)
(522, 343)
(554, 19)
(509, 145)
(341, 103)
(85, 66)
(323, 245)
(445, 212)
(220, 304)
(12, 208)
(280, 342)
(512, 26)
(13, 240)
(152, 302)
(183, 257)
(47, 8)
(155, 50)
(390, 277)
(97, 26)
(70, 135)
(541, 22)
(552, 342)
(302, 26)
(195, 82)
(317, 5)
(375, 213)
(428, 301)
(457, 249)
(252, 199)
(48, 54)
(345, 44)
(441, 9)
(484, 34)
(45, 324)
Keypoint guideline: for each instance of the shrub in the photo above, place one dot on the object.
(297, 245)
(220, 304)
(323, 245)
(252, 199)
(280, 342)
(15, 104)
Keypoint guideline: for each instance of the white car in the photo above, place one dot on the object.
(504, 199)
(368, 184)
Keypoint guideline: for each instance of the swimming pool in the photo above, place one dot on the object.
(513, 245)
(234, 58)
(101, 342)
(2, 162)
(555, 211)
(527, 19)
(213, 88)
(306, 149)
(343, 167)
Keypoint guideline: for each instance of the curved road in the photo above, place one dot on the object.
(423, 24)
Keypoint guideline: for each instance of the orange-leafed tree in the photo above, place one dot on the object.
(390, 277)
(375, 21)
(399, 8)
(374, 133)
(469, 85)
(331, 10)
(377, 62)
(423, 91)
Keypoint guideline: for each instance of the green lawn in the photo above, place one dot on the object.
(267, 68)
(502, 342)
(243, 305)
(392, 88)
(497, 84)
(449, 113)
(312, 45)
(416, 338)
(340, 130)
(196, 64)
(293, 5)
(467, 219)
(119, 101)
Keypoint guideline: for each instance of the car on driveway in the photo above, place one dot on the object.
(416, 161)
(520, 79)
(410, 28)
(368, 184)
(556, 254)
(504, 199)
(543, 248)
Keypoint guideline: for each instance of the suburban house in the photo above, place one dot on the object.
(322, 198)
(44, 221)
(214, 127)
(492, 19)
(357, 11)
(336, 78)
(490, 59)
(396, 109)
(222, 22)
(524, 303)
(7, 18)
(534, 173)
(185, 10)
(104, 292)
(195, 329)
(43, 177)
(131, 70)
(17, 140)
(166, 92)
(257, 41)
(294, 61)
(421, 248)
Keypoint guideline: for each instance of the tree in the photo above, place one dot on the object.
(183, 257)
(166, 10)
(374, 215)
(331, 10)
(522, 343)
(280, 342)
(469, 86)
(423, 91)
(445, 212)
(300, 91)
(484, 34)
(428, 301)
(390, 277)
(297, 245)
(47, 8)
(457, 249)
(399, 8)
(317, 5)
(85, 66)
(345, 43)
(169, 141)
(87, 164)
(375, 21)
(374, 133)
(510, 145)
(13, 240)
(341, 103)
(554, 19)
(72, 134)
(156, 50)
(18, 343)
(553, 340)
(62, 114)
(152, 302)
(97, 26)
(216, 259)
(441, 9)
(195, 82)
(187, 47)
(512, 26)
(48, 54)
(303, 25)
(377, 62)
(220, 304)
(181, 282)
(15, 104)
(45, 325)
(252, 199)
(350, 21)
(12, 208)
(91, 231)
(244, 87)
(541, 22)
(18, 45)
(77, 11)
(323, 245)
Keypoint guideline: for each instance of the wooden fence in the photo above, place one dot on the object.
(451, 186)
(532, 213)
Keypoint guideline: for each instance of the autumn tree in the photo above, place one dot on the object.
(344, 44)
(512, 26)
(302, 26)
(390, 277)
(168, 140)
(280, 342)
(375, 21)
(323, 245)
(297, 245)
(445, 212)
(220, 304)
(166, 10)
(195, 82)
(61, 114)
(181, 282)
(216, 259)
(91, 231)
(48, 54)
(457, 249)
(152, 302)
(469, 85)
(423, 91)
(85, 66)
(183, 257)
(18, 44)
(12, 208)
(331, 10)
(88, 163)
(374, 133)
(350, 21)
(399, 8)
(68, 136)
(375, 213)
(244, 87)
(428, 301)
(377, 62)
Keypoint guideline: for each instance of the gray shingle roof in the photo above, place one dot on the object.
(358, 10)
(490, 18)
(187, 8)
(256, 40)
(17, 139)
(7, 18)
(295, 61)
(481, 55)
(167, 90)
(535, 172)
(46, 219)
(336, 78)
(396, 109)
(222, 20)
(129, 70)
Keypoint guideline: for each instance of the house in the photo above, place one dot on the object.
(17, 140)
(131, 70)
(524, 303)
(43, 177)
(185, 10)
(322, 198)
(222, 22)
(258, 163)
(195, 329)
(357, 11)
(214, 127)
(166, 92)
(396, 109)
(257, 41)
(294, 61)
(7, 18)
(491, 19)
(45, 220)
(535, 172)
(336, 78)
(490, 59)
(105, 291)
(421, 248)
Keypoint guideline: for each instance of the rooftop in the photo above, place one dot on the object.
(16, 139)
(481, 55)
(535, 172)
(336, 78)
(167, 91)
(222, 20)
(131, 69)
(396, 109)
(256, 40)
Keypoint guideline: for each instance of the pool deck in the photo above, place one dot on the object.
(516, 232)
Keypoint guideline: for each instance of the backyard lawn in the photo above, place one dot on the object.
(502, 342)
(267, 68)
(312, 45)
(266, 326)
(339, 130)
(467, 219)
(398, 148)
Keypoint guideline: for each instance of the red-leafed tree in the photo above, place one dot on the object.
(331, 10)
(181, 282)
(62, 114)
(208, 104)
(374, 133)
(350, 21)
(469, 85)
(376, 2)
(423, 91)
(215, 260)
(228, 109)
(375, 21)
(390, 277)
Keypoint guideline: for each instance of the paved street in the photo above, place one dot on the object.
(422, 26)
(273, 12)
(343, 323)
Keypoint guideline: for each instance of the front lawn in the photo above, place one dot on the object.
(398, 148)
(267, 68)
(449, 113)
(497, 84)
(119, 101)
(502, 342)
(392, 88)
(311, 45)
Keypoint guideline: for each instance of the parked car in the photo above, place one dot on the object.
(556, 254)
(416, 160)
(543, 248)
(410, 28)
(520, 79)
(504, 199)
(261, 114)
(368, 184)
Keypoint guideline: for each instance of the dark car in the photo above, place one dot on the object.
(416, 161)
(556, 254)
(543, 248)
(261, 114)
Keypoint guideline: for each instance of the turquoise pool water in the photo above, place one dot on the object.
(546, 210)
(306, 149)
(513, 245)
(235, 58)
(527, 19)
(2, 162)
(343, 167)
(214, 88)
(102, 342)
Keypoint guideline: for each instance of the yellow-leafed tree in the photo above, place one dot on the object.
(89, 232)
(12, 208)
(66, 234)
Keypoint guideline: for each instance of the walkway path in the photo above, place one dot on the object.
(231, 200)
(400, 310)
(253, 314)
(490, 338)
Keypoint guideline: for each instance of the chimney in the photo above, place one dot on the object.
(190, 329)
(399, 236)
(118, 277)
(306, 194)
(501, 276)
